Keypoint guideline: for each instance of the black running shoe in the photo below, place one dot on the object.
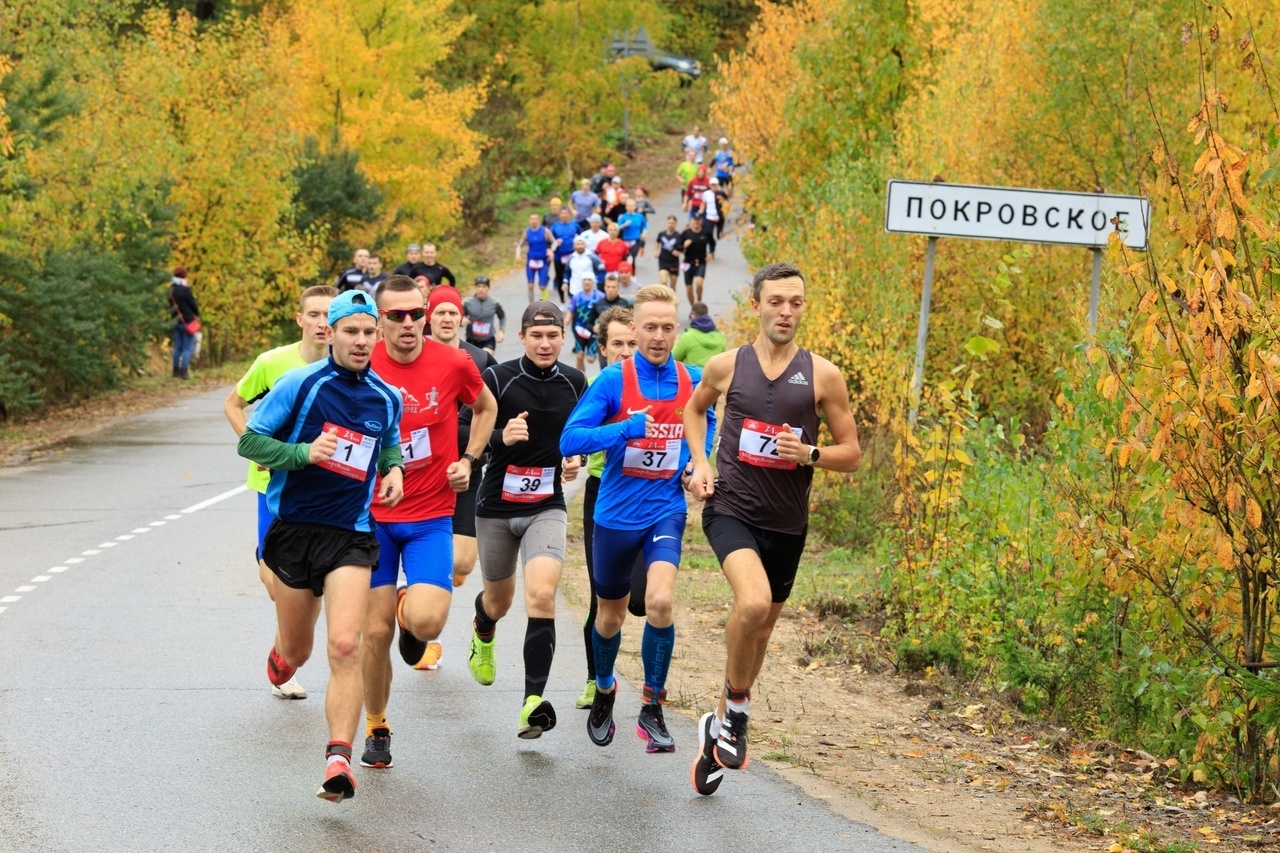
(600, 726)
(411, 648)
(705, 774)
(377, 749)
(731, 747)
(651, 727)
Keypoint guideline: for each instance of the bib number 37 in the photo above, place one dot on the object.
(354, 453)
(758, 444)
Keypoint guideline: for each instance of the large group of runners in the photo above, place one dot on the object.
(388, 453)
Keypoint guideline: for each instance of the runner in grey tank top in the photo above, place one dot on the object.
(755, 485)
(757, 511)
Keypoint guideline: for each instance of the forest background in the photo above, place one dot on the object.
(1086, 526)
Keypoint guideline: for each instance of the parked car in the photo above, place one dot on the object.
(682, 65)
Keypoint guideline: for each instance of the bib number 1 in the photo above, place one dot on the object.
(758, 445)
(354, 453)
(417, 450)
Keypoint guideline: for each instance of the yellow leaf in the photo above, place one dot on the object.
(1253, 513)
(1233, 496)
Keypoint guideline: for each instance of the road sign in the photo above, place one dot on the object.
(638, 45)
(1006, 213)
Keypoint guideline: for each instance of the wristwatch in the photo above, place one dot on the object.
(813, 454)
(474, 460)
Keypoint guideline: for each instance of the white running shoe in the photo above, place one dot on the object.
(291, 689)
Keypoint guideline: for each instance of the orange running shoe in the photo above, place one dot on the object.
(431, 657)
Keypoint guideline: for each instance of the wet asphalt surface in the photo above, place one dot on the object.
(135, 713)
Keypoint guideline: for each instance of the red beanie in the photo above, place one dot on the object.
(443, 293)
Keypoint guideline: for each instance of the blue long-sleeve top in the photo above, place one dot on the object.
(625, 502)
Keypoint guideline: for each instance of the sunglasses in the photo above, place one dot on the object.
(396, 315)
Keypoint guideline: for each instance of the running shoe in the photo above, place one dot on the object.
(482, 663)
(650, 726)
(731, 747)
(339, 783)
(588, 695)
(536, 717)
(705, 774)
(411, 648)
(431, 657)
(278, 670)
(291, 689)
(600, 726)
(377, 749)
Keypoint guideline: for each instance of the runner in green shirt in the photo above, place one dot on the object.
(313, 313)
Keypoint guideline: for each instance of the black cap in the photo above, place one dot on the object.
(546, 310)
(482, 279)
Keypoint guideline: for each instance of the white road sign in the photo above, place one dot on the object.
(1006, 213)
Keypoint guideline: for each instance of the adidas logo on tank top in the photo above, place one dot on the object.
(798, 379)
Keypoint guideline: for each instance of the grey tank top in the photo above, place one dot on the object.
(753, 484)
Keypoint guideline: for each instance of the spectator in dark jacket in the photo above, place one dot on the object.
(183, 308)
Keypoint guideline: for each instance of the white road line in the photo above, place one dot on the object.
(124, 537)
(140, 530)
(25, 589)
(157, 524)
(58, 569)
(215, 499)
(107, 545)
(10, 599)
(90, 552)
(3, 609)
(73, 560)
(41, 579)
(172, 517)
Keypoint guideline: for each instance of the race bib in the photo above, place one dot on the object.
(481, 330)
(651, 458)
(684, 267)
(353, 455)
(528, 485)
(564, 259)
(582, 331)
(417, 450)
(536, 265)
(758, 444)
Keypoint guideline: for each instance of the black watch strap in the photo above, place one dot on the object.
(474, 460)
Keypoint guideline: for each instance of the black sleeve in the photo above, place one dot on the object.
(446, 273)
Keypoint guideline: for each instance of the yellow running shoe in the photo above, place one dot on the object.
(431, 657)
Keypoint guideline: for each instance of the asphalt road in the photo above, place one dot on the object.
(135, 713)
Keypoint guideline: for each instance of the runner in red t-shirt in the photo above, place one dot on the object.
(614, 250)
(418, 532)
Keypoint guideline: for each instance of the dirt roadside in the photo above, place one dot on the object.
(910, 757)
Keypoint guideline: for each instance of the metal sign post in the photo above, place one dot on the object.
(625, 45)
(1004, 213)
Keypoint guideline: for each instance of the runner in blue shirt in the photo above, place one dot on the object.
(633, 412)
(537, 262)
(633, 228)
(564, 229)
(326, 431)
(725, 164)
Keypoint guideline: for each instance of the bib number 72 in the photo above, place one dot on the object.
(758, 444)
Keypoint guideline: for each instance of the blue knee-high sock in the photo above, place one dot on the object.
(606, 652)
(655, 651)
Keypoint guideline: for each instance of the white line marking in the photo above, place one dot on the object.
(90, 552)
(25, 589)
(172, 517)
(157, 524)
(10, 599)
(58, 569)
(41, 579)
(215, 499)
(107, 545)
(124, 537)
(73, 560)
(3, 609)
(140, 530)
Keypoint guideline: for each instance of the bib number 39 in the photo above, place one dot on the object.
(528, 485)
(758, 444)
(651, 458)
(354, 453)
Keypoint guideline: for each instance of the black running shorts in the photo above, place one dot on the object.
(779, 553)
(695, 271)
(302, 555)
(464, 511)
(669, 264)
